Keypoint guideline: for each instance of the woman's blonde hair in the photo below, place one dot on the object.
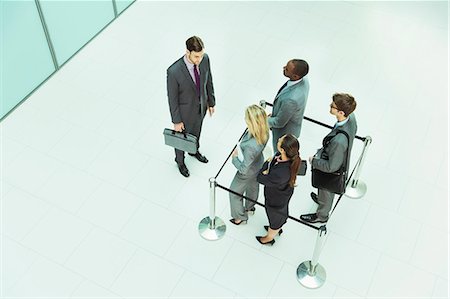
(256, 119)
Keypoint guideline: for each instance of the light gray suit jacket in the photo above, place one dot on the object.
(184, 102)
(331, 157)
(253, 156)
(288, 109)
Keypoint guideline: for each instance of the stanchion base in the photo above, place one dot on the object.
(307, 279)
(356, 192)
(212, 234)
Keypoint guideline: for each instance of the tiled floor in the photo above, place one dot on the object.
(93, 205)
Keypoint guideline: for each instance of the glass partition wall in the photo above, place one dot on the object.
(39, 36)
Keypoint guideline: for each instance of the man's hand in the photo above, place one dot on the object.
(179, 127)
(211, 111)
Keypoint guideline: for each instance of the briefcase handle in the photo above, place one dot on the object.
(184, 133)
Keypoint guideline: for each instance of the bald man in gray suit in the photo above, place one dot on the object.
(333, 154)
(191, 93)
(290, 102)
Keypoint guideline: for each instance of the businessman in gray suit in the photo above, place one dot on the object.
(331, 157)
(290, 102)
(191, 93)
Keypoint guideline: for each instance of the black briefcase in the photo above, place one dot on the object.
(181, 140)
(333, 182)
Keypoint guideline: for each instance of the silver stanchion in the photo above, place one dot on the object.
(262, 103)
(310, 273)
(212, 228)
(357, 188)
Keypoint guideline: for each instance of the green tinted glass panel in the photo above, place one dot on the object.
(25, 57)
(72, 24)
(122, 4)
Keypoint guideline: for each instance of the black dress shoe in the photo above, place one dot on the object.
(312, 218)
(266, 227)
(183, 170)
(199, 157)
(314, 197)
(267, 243)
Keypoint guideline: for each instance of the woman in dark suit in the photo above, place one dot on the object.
(278, 176)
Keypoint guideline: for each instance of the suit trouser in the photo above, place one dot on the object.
(192, 127)
(248, 186)
(325, 199)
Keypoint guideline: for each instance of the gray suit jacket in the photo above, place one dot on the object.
(288, 109)
(253, 156)
(331, 158)
(181, 90)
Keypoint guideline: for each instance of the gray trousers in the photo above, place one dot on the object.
(325, 200)
(248, 186)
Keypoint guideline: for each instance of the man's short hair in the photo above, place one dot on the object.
(195, 44)
(301, 67)
(344, 102)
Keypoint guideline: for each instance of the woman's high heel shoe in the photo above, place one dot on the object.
(266, 227)
(232, 220)
(267, 243)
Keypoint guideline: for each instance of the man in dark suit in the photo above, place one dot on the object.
(290, 102)
(191, 93)
(331, 157)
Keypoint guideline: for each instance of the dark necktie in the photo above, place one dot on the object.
(284, 85)
(197, 79)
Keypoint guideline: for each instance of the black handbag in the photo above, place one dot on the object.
(303, 167)
(181, 140)
(334, 182)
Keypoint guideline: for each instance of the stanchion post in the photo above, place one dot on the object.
(357, 188)
(211, 227)
(262, 103)
(311, 274)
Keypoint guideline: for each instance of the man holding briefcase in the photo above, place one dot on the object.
(191, 93)
(334, 153)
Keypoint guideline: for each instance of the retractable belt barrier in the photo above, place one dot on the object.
(309, 273)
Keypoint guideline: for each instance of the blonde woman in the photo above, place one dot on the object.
(248, 164)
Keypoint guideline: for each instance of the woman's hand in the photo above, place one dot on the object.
(265, 172)
(235, 153)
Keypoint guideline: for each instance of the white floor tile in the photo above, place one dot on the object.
(441, 288)
(16, 260)
(124, 124)
(187, 287)
(46, 279)
(20, 213)
(147, 275)
(57, 225)
(68, 188)
(200, 256)
(30, 170)
(343, 293)
(101, 257)
(117, 164)
(432, 259)
(88, 289)
(242, 265)
(79, 147)
(109, 207)
(152, 182)
(394, 278)
(389, 233)
(359, 263)
(156, 233)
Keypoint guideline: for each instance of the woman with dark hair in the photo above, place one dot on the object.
(278, 176)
